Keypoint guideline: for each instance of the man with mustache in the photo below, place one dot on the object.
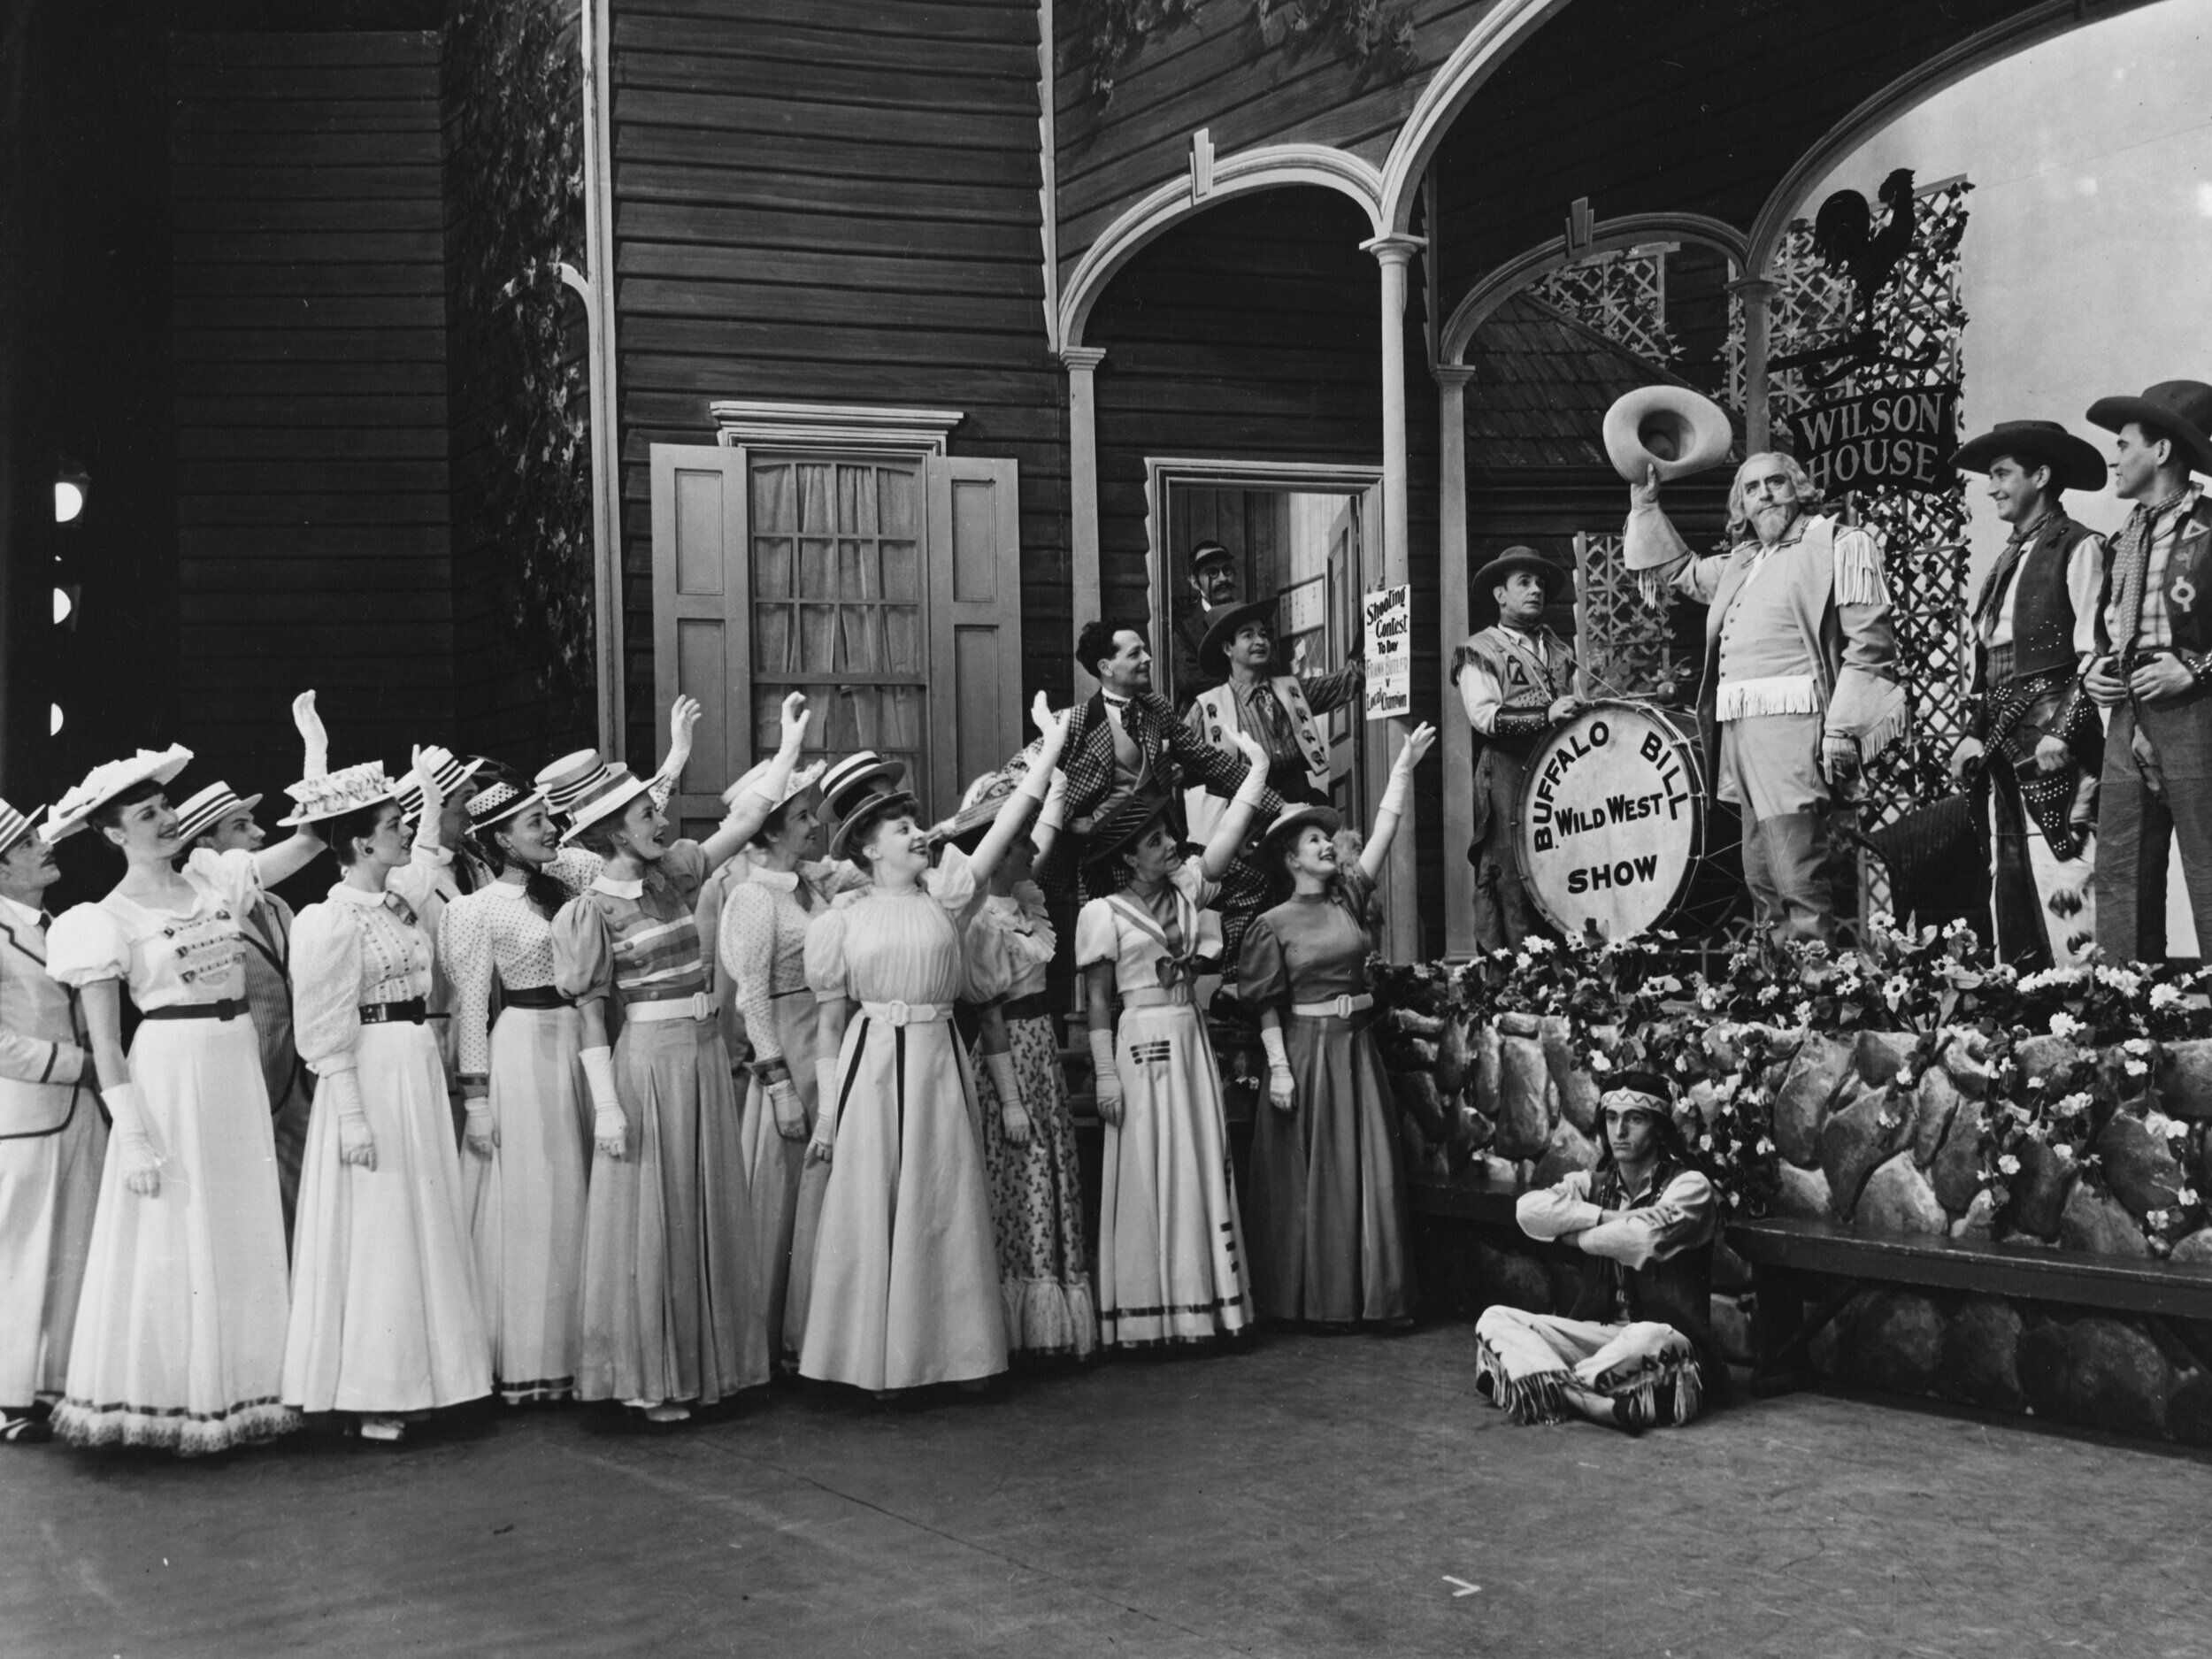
(1800, 686)
(52, 1143)
(1214, 582)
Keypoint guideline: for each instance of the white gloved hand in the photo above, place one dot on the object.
(1013, 1115)
(481, 1130)
(1282, 1092)
(141, 1163)
(1107, 1074)
(355, 1145)
(610, 1125)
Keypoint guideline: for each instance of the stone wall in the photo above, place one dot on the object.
(1861, 1141)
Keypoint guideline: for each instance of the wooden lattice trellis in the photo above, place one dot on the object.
(1625, 647)
(1622, 295)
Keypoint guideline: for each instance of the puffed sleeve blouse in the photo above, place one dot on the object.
(638, 938)
(168, 958)
(354, 947)
(1307, 950)
(1105, 932)
(1011, 945)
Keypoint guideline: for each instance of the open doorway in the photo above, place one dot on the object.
(1308, 536)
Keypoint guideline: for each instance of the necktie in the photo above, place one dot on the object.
(2131, 566)
(1128, 755)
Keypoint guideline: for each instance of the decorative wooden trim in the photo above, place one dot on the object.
(863, 426)
(1048, 174)
(1085, 601)
(1918, 84)
(1494, 37)
(593, 35)
(1457, 746)
(1261, 169)
(1609, 236)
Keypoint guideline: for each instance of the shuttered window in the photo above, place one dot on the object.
(885, 588)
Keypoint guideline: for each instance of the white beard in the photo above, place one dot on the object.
(1771, 522)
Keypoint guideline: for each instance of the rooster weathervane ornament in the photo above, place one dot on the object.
(1847, 241)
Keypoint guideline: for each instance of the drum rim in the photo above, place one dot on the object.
(1700, 802)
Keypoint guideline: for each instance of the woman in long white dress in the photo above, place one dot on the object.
(384, 1317)
(527, 1135)
(905, 1290)
(179, 1340)
(1171, 1247)
(672, 1313)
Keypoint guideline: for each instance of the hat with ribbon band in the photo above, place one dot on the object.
(109, 780)
(210, 806)
(496, 802)
(14, 827)
(606, 793)
(848, 780)
(335, 793)
(450, 770)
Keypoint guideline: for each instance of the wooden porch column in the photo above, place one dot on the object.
(1401, 895)
(1084, 604)
(1755, 292)
(1457, 745)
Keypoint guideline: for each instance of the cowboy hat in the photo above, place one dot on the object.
(1222, 623)
(866, 814)
(2179, 409)
(2074, 461)
(1518, 559)
(1691, 429)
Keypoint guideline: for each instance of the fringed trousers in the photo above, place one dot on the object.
(1525, 1363)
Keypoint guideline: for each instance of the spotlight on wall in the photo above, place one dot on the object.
(65, 607)
(73, 487)
(53, 720)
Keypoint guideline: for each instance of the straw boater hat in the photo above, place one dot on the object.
(2074, 461)
(561, 781)
(14, 827)
(109, 780)
(1692, 424)
(335, 793)
(1518, 559)
(866, 813)
(204, 811)
(845, 782)
(450, 770)
(605, 793)
(2179, 409)
(499, 802)
(1222, 623)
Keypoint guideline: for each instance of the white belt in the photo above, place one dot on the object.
(1342, 1006)
(1156, 996)
(908, 1013)
(698, 1005)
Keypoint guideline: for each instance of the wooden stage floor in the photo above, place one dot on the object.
(1315, 1495)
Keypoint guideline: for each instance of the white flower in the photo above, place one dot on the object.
(1536, 944)
(2164, 997)
(1765, 1148)
(2074, 1105)
(2120, 981)
(2063, 1153)
(1769, 994)
(2064, 1024)
(2137, 1068)
(1598, 1063)
(2175, 1132)
(2157, 1218)
(1804, 1013)
(2137, 1045)
(1896, 990)
(1708, 999)
(2187, 1197)
(1905, 1079)
(1882, 922)
(2009, 1164)
(1705, 1144)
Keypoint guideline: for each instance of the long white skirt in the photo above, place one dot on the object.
(50, 1188)
(1171, 1247)
(526, 1203)
(178, 1341)
(786, 1190)
(383, 1286)
(905, 1289)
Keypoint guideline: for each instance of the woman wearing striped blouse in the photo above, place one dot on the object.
(673, 1311)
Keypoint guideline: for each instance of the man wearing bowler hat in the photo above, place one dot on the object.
(1213, 579)
(2035, 738)
(2157, 782)
(1516, 678)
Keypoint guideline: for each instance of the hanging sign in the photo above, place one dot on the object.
(1900, 437)
(1389, 652)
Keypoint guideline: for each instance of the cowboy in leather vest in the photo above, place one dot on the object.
(2036, 744)
(52, 1143)
(1516, 681)
(2156, 788)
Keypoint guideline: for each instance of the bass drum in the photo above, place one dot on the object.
(1612, 831)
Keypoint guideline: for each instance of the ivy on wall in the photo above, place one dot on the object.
(514, 187)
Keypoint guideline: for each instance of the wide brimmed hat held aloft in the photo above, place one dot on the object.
(207, 809)
(1222, 623)
(866, 813)
(2179, 409)
(2074, 461)
(1518, 559)
(109, 778)
(1689, 424)
(335, 793)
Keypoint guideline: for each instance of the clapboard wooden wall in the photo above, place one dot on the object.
(310, 395)
(1219, 74)
(1251, 332)
(834, 203)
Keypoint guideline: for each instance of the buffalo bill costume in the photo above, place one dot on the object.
(1508, 678)
(2157, 781)
(2037, 625)
(1638, 1332)
(53, 1145)
(1801, 676)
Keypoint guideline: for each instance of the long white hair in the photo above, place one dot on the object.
(1808, 491)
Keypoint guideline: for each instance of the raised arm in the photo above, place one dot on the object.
(1036, 784)
(1052, 814)
(288, 857)
(418, 878)
(1236, 822)
(683, 715)
(1392, 810)
(751, 809)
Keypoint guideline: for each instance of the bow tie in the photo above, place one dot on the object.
(1113, 701)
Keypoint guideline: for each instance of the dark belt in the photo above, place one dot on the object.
(413, 1010)
(229, 1007)
(1038, 1006)
(535, 996)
